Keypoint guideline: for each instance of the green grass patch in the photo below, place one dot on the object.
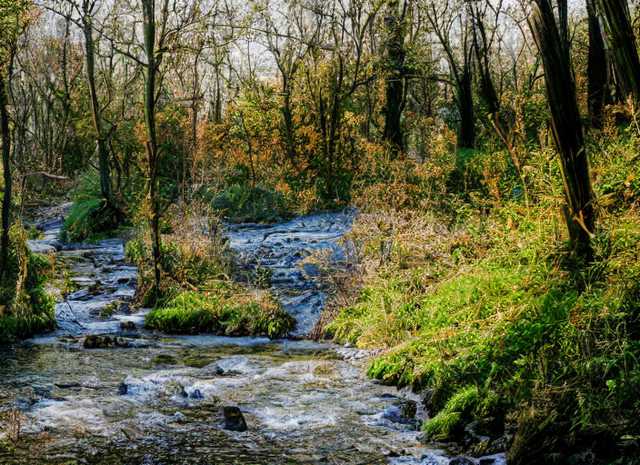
(221, 313)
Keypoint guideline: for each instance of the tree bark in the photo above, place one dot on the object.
(597, 68)
(622, 42)
(101, 142)
(148, 9)
(6, 169)
(481, 51)
(566, 126)
(465, 104)
(395, 79)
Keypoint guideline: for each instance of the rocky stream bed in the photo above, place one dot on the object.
(157, 399)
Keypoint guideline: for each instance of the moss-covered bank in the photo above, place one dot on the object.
(25, 306)
(485, 313)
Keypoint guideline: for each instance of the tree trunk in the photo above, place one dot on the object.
(622, 42)
(103, 151)
(567, 127)
(395, 79)
(467, 137)
(597, 68)
(481, 51)
(287, 118)
(6, 169)
(148, 8)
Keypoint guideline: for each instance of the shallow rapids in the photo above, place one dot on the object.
(157, 399)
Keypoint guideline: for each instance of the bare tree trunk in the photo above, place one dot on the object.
(481, 45)
(287, 118)
(465, 104)
(597, 68)
(395, 80)
(567, 127)
(622, 42)
(148, 9)
(6, 168)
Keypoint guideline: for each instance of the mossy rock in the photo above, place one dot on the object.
(164, 359)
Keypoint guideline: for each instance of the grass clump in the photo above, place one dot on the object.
(194, 255)
(25, 307)
(222, 313)
(450, 421)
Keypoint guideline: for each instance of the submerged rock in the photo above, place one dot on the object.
(123, 389)
(128, 326)
(233, 419)
(403, 412)
(103, 341)
(460, 461)
(487, 461)
(196, 394)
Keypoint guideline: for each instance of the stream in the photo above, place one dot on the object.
(154, 399)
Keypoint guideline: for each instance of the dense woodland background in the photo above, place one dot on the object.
(490, 147)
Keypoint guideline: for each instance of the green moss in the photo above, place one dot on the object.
(193, 312)
(164, 359)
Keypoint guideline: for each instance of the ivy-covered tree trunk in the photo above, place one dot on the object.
(96, 113)
(597, 68)
(395, 79)
(622, 43)
(567, 127)
(6, 169)
(148, 8)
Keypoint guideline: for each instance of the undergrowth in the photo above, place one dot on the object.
(484, 311)
(91, 216)
(242, 203)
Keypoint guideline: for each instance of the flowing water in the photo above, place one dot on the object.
(156, 399)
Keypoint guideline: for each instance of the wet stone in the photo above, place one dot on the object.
(128, 326)
(487, 461)
(403, 412)
(97, 341)
(123, 389)
(233, 419)
(196, 394)
(461, 461)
